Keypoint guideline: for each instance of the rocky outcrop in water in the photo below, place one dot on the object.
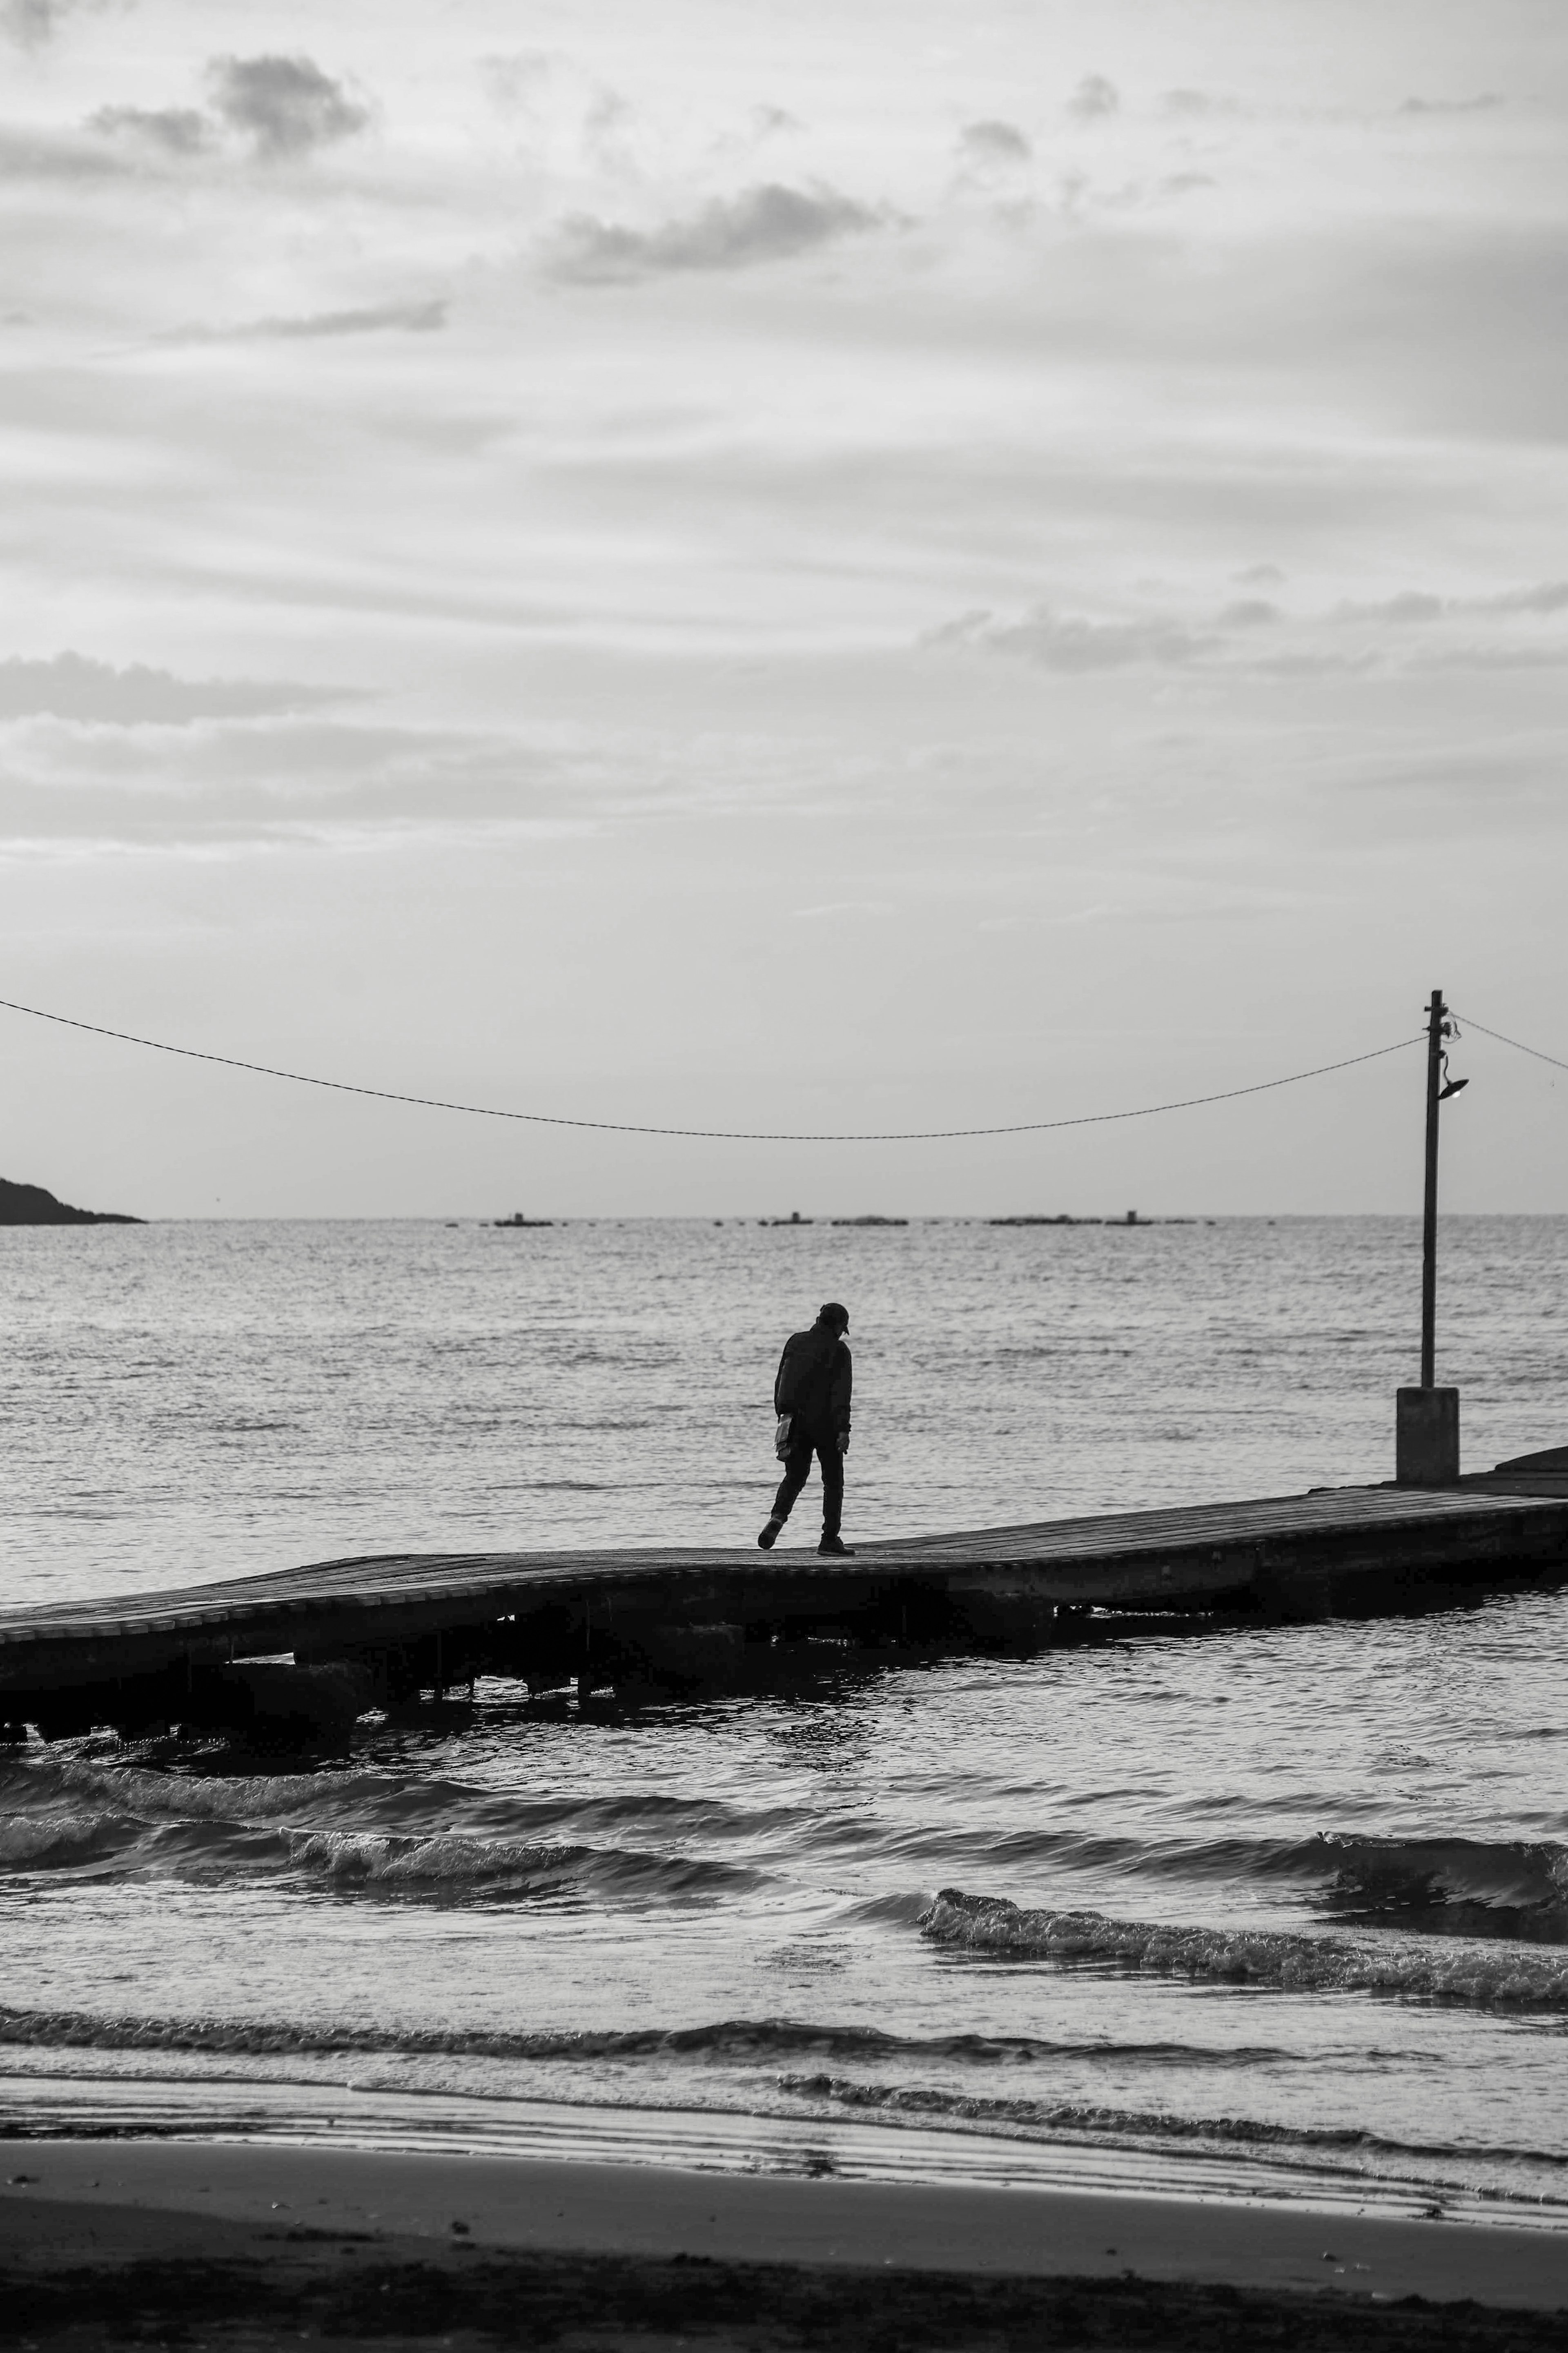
(30, 1205)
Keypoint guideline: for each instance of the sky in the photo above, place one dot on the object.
(816, 569)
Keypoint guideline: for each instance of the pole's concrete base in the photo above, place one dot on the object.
(1426, 1437)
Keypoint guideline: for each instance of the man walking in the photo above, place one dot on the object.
(812, 1389)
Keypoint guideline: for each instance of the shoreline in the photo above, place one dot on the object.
(230, 2233)
(44, 2109)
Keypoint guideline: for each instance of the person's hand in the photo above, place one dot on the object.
(844, 1441)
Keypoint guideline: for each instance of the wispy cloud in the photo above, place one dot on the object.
(32, 23)
(1075, 642)
(1312, 661)
(177, 130)
(512, 82)
(259, 777)
(570, 115)
(56, 155)
(1546, 597)
(1196, 105)
(1417, 605)
(1409, 605)
(1069, 641)
(74, 686)
(387, 317)
(1498, 654)
(765, 224)
(1481, 104)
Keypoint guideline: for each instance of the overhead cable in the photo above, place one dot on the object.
(708, 1134)
(1534, 1051)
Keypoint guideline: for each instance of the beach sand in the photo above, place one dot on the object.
(258, 2244)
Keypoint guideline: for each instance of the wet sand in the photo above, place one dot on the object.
(260, 2243)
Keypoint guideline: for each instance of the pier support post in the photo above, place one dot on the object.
(1426, 1437)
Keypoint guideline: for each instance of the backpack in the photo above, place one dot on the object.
(805, 1368)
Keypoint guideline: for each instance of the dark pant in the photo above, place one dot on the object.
(802, 1444)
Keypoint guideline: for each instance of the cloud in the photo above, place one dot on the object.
(402, 318)
(769, 223)
(1311, 661)
(1068, 642)
(609, 115)
(31, 23)
(1418, 605)
(993, 143)
(74, 686)
(1554, 654)
(231, 782)
(286, 106)
(1072, 642)
(1197, 104)
(1094, 99)
(1549, 597)
(1410, 604)
(1479, 105)
(55, 155)
(511, 82)
(569, 112)
(178, 129)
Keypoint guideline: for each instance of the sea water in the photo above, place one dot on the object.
(1292, 1901)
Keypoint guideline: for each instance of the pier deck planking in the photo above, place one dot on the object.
(1295, 1555)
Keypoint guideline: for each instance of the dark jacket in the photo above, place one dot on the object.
(814, 1381)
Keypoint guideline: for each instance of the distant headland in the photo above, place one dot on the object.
(30, 1205)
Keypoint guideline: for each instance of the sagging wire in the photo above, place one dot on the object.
(1517, 1043)
(708, 1134)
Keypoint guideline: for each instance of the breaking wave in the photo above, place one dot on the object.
(450, 1868)
(1455, 1885)
(1465, 1887)
(379, 1830)
(1080, 2116)
(459, 1863)
(358, 1834)
(1284, 1961)
(766, 2041)
(372, 1801)
(57, 1840)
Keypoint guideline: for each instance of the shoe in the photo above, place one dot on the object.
(837, 1548)
(770, 1534)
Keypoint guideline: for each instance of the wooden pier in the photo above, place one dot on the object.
(305, 1652)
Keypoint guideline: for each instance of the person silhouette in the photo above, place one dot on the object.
(810, 1393)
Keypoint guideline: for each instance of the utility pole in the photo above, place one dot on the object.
(1436, 1032)
(1427, 1420)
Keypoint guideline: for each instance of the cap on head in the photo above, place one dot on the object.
(833, 1314)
